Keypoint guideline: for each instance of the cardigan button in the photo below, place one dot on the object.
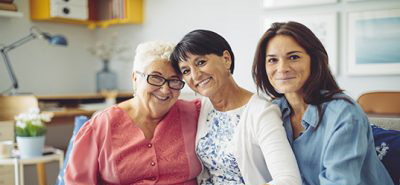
(149, 145)
(153, 163)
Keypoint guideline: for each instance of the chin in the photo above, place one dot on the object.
(205, 92)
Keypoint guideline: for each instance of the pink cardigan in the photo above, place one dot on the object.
(110, 149)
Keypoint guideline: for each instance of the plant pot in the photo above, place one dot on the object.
(30, 146)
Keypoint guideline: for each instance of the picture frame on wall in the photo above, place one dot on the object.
(290, 3)
(373, 42)
(324, 26)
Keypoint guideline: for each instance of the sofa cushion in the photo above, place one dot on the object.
(387, 122)
(387, 144)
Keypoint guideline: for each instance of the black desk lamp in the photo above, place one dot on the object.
(34, 33)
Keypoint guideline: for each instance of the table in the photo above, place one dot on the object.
(56, 155)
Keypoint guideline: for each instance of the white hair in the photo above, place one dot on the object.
(148, 52)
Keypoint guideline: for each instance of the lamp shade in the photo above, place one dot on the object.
(55, 40)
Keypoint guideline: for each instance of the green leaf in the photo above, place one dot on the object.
(31, 130)
(21, 132)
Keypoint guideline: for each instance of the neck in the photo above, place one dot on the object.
(297, 103)
(143, 115)
(230, 97)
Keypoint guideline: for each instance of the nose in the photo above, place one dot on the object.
(195, 74)
(165, 88)
(283, 66)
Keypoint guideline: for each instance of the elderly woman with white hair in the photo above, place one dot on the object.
(148, 139)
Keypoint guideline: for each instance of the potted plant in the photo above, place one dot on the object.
(30, 130)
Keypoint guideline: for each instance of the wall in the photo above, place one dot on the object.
(354, 85)
(43, 69)
(240, 22)
(236, 20)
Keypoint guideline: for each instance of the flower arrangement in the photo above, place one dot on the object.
(31, 124)
(107, 49)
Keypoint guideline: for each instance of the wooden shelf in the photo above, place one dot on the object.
(11, 14)
(40, 11)
(70, 105)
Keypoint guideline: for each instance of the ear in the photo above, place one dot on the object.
(133, 80)
(133, 76)
(227, 59)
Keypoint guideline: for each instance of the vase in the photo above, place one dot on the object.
(106, 80)
(30, 146)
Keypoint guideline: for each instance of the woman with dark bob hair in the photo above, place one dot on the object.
(329, 133)
(240, 138)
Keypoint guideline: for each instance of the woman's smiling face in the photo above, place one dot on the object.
(287, 64)
(206, 74)
(157, 99)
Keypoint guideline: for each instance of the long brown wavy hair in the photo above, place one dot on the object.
(320, 86)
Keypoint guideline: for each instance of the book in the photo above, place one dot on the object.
(8, 7)
(6, 1)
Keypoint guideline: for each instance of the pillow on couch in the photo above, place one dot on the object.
(387, 144)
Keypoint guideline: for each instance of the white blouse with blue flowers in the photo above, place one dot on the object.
(236, 146)
(215, 148)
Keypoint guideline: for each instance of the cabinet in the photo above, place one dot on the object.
(93, 13)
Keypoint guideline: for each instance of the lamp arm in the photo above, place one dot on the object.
(9, 69)
(6, 49)
(19, 42)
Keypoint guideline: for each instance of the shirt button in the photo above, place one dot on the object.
(153, 178)
(153, 163)
(149, 145)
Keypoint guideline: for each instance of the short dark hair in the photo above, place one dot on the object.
(200, 42)
(320, 79)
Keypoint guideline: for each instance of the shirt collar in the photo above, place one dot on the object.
(310, 117)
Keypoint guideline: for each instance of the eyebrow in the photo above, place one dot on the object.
(288, 53)
(294, 52)
(158, 73)
(198, 57)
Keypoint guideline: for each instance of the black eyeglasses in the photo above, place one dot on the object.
(159, 81)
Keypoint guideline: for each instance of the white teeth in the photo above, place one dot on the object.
(163, 98)
(204, 82)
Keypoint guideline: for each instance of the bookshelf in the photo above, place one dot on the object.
(11, 14)
(92, 13)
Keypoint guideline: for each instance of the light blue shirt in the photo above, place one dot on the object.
(340, 151)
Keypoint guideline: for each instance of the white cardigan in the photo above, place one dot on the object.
(260, 141)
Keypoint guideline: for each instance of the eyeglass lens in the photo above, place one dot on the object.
(160, 81)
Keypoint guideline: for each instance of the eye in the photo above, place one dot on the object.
(294, 57)
(272, 60)
(185, 71)
(156, 78)
(201, 63)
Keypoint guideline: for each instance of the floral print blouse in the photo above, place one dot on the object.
(215, 148)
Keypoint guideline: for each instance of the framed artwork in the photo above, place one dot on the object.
(374, 42)
(290, 3)
(324, 26)
(357, 0)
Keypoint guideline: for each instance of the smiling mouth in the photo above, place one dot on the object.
(203, 83)
(162, 98)
(285, 78)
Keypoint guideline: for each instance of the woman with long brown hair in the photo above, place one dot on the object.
(329, 133)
